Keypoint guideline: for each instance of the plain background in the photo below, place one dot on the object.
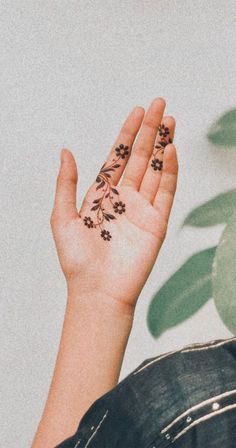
(71, 71)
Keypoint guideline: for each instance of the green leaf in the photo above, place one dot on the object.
(215, 211)
(223, 131)
(183, 294)
(224, 275)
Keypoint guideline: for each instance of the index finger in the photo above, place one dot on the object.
(112, 169)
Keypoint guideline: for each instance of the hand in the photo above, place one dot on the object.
(110, 246)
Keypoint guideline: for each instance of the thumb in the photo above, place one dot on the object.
(65, 195)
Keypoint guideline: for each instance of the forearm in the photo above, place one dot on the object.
(93, 341)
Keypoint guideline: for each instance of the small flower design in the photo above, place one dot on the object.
(107, 193)
(157, 164)
(105, 234)
(122, 150)
(164, 140)
(119, 207)
(163, 130)
(88, 222)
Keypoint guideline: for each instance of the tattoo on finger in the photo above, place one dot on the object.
(108, 191)
(164, 134)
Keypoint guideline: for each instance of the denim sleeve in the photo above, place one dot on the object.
(182, 399)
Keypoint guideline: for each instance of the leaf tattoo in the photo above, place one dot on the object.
(164, 133)
(108, 191)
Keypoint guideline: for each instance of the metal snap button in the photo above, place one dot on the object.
(188, 419)
(215, 406)
(167, 436)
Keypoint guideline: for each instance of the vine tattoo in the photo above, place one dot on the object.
(164, 133)
(104, 183)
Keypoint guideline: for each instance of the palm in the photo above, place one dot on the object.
(114, 239)
(136, 238)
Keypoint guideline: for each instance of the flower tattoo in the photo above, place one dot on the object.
(163, 130)
(122, 151)
(88, 222)
(119, 207)
(105, 234)
(157, 164)
(164, 133)
(104, 183)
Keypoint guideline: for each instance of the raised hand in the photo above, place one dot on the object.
(110, 245)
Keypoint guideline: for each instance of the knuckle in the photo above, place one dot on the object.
(64, 179)
(126, 132)
(141, 150)
(150, 122)
(166, 190)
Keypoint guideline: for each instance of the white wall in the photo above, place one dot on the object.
(70, 73)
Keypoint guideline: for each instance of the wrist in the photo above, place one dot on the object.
(95, 300)
(107, 323)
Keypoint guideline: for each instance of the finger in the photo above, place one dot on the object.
(152, 176)
(65, 196)
(143, 147)
(168, 183)
(116, 161)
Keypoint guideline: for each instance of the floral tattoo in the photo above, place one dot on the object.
(164, 133)
(104, 182)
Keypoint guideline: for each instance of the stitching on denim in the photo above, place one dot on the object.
(95, 431)
(77, 443)
(158, 358)
(197, 406)
(205, 417)
(201, 346)
(207, 346)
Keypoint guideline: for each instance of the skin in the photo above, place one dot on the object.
(104, 278)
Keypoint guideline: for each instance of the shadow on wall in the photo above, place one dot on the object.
(211, 272)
